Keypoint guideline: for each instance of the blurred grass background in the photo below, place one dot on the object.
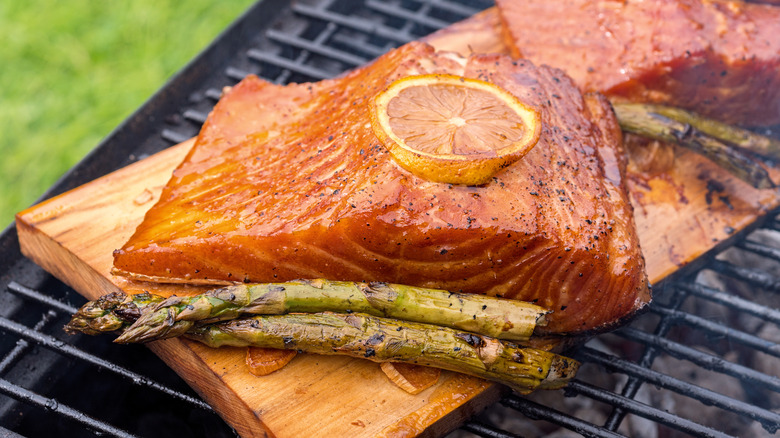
(73, 70)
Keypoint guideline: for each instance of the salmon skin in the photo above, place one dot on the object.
(288, 182)
(719, 58)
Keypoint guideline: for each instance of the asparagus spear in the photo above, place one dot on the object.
(163, 318)
(383, 339)
(726, 133)
(685, 129)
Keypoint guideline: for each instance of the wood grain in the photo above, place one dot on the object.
(680, 215)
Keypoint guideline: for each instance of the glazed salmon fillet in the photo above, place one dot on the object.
(288, 182)
(719, 58)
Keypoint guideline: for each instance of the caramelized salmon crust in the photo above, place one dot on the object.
(717, 57)
(288, 182)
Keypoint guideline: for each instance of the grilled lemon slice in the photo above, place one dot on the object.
(451, 129)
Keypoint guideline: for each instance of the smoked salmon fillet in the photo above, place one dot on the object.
(719, 58)
(288, 182)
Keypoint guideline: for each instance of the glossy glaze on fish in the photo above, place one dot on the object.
(719, 58)
(289, 182)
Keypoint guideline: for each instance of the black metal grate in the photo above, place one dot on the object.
(702, 362)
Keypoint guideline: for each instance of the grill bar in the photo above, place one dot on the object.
(213, 94)
(397, 36)
(720, 329)
(643, 410)
(456, 8)
(754, 277)
(760, 249)
(704, 360)
(536, 411)
(731, 301)
(420, 17)
(33, 294)
(17, 392)
(706, 396)
(22, 345)
(358, 45)
(174, 137)
(195, 116)
(486, 431)
(348, 59)
(292, 65)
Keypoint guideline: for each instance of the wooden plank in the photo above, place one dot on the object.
(679, 215)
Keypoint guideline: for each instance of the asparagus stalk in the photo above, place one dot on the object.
(390, 340)
(726, 133)
(713, 140)
(163, 318)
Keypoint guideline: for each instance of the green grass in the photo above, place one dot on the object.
(73, 70)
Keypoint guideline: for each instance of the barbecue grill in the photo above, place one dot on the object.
(703, 361)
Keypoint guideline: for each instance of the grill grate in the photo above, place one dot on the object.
(701, 362)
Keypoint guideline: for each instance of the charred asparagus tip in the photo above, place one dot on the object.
(109, 313)
(99, 316)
